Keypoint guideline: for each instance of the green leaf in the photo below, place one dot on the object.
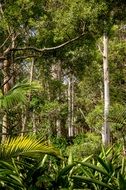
(96, 168)
(25, 146)
(89, 180)
(103, 164)
(122, 182)
(17, 94)
(65, 171)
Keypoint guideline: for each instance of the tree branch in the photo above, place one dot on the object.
(5, 41)
(6, 81)
(99, 48)
(2, 58)
(47, 49)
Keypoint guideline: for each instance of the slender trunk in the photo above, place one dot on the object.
(7, 77)
(31, 71)
(58, 121)
(58, 126)
(6, 88)
(4, 127)
(24, 119)
(7, 84)
(56, 75)
(25, 111)
(70, 106)
(34, 123)
(105, 129)
(33, 114)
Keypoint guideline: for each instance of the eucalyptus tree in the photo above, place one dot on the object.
(106, 14)
(110, 18)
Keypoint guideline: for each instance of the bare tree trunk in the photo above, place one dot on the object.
(31, 70)
(25, 111)
(7, 84)
(24, 119)
(58, 126)
(6, 88)
(72, 103)
(58, 121)
(34, 123)
(105, 128)
(4, 127)
(33, 114)
(71, 106)
(56, 74)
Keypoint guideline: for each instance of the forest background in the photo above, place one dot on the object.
(63, 80)
(63, 69)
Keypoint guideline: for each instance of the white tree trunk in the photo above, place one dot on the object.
(71, 106)
(105, 128)
(56, 75)
(34, 128)
(25, 113)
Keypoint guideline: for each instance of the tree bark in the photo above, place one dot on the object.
(71, 106)
(105, 128)
(6, 88)
(56, 75)
(58, 121)
(25, 111)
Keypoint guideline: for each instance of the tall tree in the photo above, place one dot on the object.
(105, 128)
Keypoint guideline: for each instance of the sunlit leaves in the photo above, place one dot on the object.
(25, 146)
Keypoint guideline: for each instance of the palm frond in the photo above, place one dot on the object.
(94, 167)
(9, 177)
(90, 181)
(17, 94)
(25, 146)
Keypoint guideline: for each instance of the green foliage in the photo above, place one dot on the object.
(60, 143)
(116, 119)
(95, 118)
(23, 159)
(105, 171)
(82, 144)
(31, 171)
(24, 146)
(17, 94)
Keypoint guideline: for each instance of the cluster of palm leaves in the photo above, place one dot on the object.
(22, 163)
(30, 164)
(17, 94)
